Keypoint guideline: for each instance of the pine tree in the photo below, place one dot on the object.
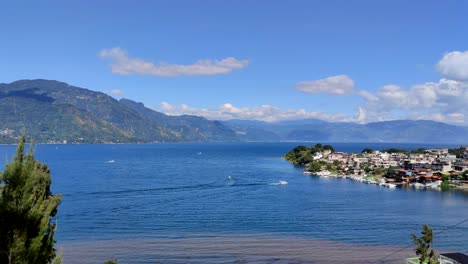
(423, 246)
(26, 207)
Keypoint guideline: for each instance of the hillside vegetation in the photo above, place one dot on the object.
(52, 112)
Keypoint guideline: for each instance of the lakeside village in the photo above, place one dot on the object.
(438, 169)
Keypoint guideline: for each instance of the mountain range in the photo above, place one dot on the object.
(56, 112)
(52, 111)
(398, 131)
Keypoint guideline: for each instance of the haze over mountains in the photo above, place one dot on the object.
(53, 111)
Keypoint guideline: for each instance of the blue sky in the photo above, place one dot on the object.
(359, 61)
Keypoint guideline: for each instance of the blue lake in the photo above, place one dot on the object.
(170, 191)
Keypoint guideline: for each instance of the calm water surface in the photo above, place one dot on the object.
(127, 194)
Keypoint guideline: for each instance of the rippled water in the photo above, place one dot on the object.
(210, 201)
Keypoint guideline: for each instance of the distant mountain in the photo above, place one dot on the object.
(53, 111)
(190, 128)
(416, 131)
(47, 122)
(321, 131)
(248, 130)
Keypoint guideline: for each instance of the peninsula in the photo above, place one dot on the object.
(419, 168)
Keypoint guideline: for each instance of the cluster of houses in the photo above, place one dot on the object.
(425, 167)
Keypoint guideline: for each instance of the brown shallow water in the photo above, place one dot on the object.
(229, 249)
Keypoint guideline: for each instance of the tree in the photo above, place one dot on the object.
(445, 185)
(26, 208)
(458, 152)
(367, 150)
(419, 151)
(394, 150)
(423, 246)
(379, 171)
(314, 166)
(329, 147)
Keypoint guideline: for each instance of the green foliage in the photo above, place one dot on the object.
(391, 170)
(394, 150)
(58, 259)
(366, 168)
(457, 151)
(53, 111)
(46, 122)
(295, 155)
(111, 261)
(445, 185)
(367, 150)
(380, 171)
(315, 166)
(423, 246)
(26, 208)
(302, 155)
(418, 151)
(329, 147)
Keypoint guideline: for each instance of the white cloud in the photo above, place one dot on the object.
(267, 113)
(394, 96)
(115, 92)
(454, 65)
(444, 101)
(166, 106)
(121, 63)
(452, 118)
(361, 115)
(337, 85)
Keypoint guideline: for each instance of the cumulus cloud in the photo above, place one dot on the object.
(336, 85)
(266, 113)
(452, 118)
(445, 100)
(454, 65)
(122, 63)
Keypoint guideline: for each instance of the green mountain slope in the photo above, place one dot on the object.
(99, 104)
(95, 117)
(47, 123)
(191, 128)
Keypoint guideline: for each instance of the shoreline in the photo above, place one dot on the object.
(451, 144)
(400, 185)
(231, 249)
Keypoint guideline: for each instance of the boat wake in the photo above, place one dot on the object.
(279, 183)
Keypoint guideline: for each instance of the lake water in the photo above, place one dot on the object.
(220, 203)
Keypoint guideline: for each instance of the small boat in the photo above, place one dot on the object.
(282, 182)
(391, 185)
(111, 161)
(323, 173)
(418, 185)
(434, 185)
